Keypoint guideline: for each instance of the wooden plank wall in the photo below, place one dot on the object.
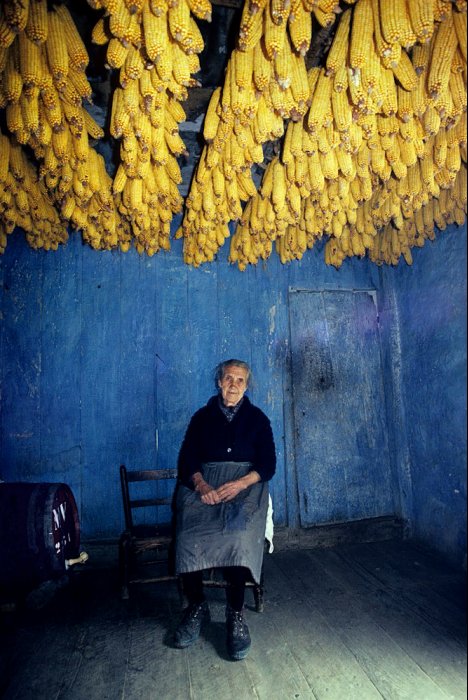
(105, 356)
(432, 341)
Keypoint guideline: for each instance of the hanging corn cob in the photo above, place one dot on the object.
(44, 91)
(155, 45)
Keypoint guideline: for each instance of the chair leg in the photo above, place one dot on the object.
(124, 565)
(258, 593)
(258, 597)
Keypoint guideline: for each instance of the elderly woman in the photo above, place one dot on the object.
(225, 462)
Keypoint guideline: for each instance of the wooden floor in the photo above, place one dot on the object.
(356, 622)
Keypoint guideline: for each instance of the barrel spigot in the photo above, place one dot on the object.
(79, 560)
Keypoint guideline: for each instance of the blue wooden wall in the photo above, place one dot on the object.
(426, 304)
(104, 357)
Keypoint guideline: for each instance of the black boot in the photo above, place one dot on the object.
(238, 637)
(188, 631)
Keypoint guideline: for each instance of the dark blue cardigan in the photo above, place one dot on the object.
(210, 437)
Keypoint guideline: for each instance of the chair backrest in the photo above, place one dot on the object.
(129, 503)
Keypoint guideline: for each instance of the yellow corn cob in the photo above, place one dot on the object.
(299, 82)
(75, 46)
(16, 14)
(155, 30)
(116, 53)
(37, 25)
(420, 57)
(342, 111)
(442, 9)
(395, 23)
(134, 6)
(370, 77)
(421, 15)
(338, 53)
(282, 66)
(251, 28)
(164, 62)
(30, 112)
(273, 36)
(194, 41)
(14, 119)
(279, 10)
(405, 73)
(133, 66)
(211, 123)
(389, 91)
(60, 143)
(329, 163)
(201, 9)
(12, 80)
(340, 79)
(325, 19)
(262, 69)
(179, 21)
(408, 152)
(361, 41)
(78, 79)
(300, 29)
(453, 161)
(346, 164)
(91, 126)
(243, 68)
(320, 113)
(176, 110)
(100, 34)
(457, 87)
(56, 48)
(458, 62)
(444, 47)
(7, 34)
(119, 19)
(388, 51)
(31, 64)
(356, 89)
(4, 157)
(405, 105)
(459, 23)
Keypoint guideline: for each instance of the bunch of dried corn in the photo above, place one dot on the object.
(265, 84)
(24, 201)
(155, 46)
(43, 88)
(373, 147)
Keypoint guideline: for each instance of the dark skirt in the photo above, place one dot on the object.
(226, 534)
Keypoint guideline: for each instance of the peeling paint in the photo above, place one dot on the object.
(272, 317)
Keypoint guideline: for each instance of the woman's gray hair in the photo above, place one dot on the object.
(220, 369)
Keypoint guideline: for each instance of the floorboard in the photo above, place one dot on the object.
(352, 622)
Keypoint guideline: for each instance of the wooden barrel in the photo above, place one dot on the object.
(39, 531)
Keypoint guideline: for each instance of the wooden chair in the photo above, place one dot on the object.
(137, 540)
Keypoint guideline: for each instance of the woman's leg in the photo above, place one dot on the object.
(196, 614)
(238, 637)
(192, 584)
(236, 577)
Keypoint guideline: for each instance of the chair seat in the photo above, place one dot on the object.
(163, 531)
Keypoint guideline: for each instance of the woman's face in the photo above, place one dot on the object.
(233, 385)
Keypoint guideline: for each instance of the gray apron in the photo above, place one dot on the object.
(226, 534)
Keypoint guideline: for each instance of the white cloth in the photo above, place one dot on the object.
(269, 525)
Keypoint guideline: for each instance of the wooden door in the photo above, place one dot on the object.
(341, 447)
